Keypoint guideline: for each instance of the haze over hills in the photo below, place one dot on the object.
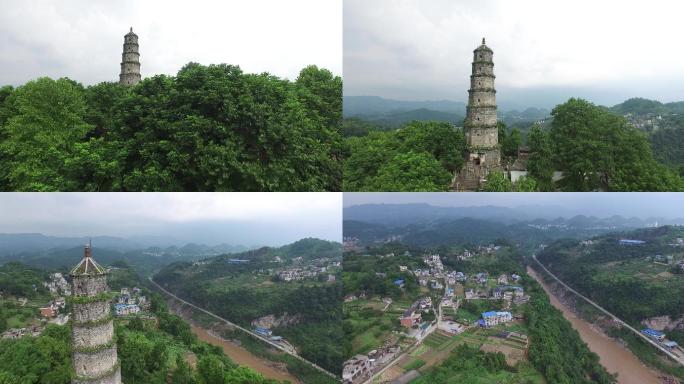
(395, 112)
(402, 214)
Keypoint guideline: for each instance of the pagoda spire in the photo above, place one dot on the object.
(130, 60)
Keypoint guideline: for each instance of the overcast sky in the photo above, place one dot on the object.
(83, 39)
(544, 51)
(644, 205)
(212, 218)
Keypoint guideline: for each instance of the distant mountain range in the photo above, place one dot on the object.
(391, 112)
(56, 252)
(394, 113)
(404, 214)
(426, 225)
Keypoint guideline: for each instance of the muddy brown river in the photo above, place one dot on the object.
(242, 356)
(613, 356)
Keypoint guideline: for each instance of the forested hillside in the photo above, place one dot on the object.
(630, 281)
(209, 128)
(246, 286)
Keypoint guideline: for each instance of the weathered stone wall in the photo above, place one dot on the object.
(482, 138)
(89, 286)
(481, 98)
(92, 336)
(482, 82)
(114, 378)
(90, 311)
(94, 364)
(483, 116)
(483, 69)
(483, 55)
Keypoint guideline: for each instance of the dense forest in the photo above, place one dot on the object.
(209, 128)
(594, 147)
(556, 348)
(621, 278)
(243, 292)
(419, 156)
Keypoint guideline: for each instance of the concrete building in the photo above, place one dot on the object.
(126, 309)
(94, 354)
(492, 318)
(130, 60)
(356, 369)
(482, 135)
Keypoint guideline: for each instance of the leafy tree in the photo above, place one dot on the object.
(41, 135)
(525, 184)
(411, 172)
(421, 156)
(540, 164)
(497, 182)
(208, 128)
(598, 150)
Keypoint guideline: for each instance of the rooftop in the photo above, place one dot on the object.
(87, 266)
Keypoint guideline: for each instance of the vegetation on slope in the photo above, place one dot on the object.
(207, 128)
(244, 292)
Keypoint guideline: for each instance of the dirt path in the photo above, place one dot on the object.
(244, 357)
(613, 356)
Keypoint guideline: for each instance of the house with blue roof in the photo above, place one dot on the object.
(399, 283)
(122, 309)
(492, 318)
(263, 331)
(631, 242)
(653, 334)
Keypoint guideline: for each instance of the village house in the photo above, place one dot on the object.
(471, 294)
(410, 318)
(492, 318)
(126, 309)
(503, 279)
(382, 356)
(356, 369)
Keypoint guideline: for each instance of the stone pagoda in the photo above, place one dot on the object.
(92, 332)
(482, 135)
(130, 60)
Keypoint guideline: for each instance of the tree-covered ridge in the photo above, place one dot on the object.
(596, 150)
(246, 286)
(207, 128)
(420, 156)
(629, 281)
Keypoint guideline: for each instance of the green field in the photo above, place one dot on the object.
(368, 327)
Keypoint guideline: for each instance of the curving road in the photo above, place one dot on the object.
(247, 331)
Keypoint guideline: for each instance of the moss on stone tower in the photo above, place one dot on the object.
(94, 352)
(482, 135)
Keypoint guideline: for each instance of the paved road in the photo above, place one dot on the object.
(247, 331)
(674, 357)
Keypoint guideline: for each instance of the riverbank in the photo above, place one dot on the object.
(242, 356)
(613, 356)
(236, 353)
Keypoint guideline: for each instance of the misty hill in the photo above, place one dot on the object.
(427, 225)
(375, 105)
(641, 106)
(52, 252)
(403, 214)
(466, 230)
(307, 249)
